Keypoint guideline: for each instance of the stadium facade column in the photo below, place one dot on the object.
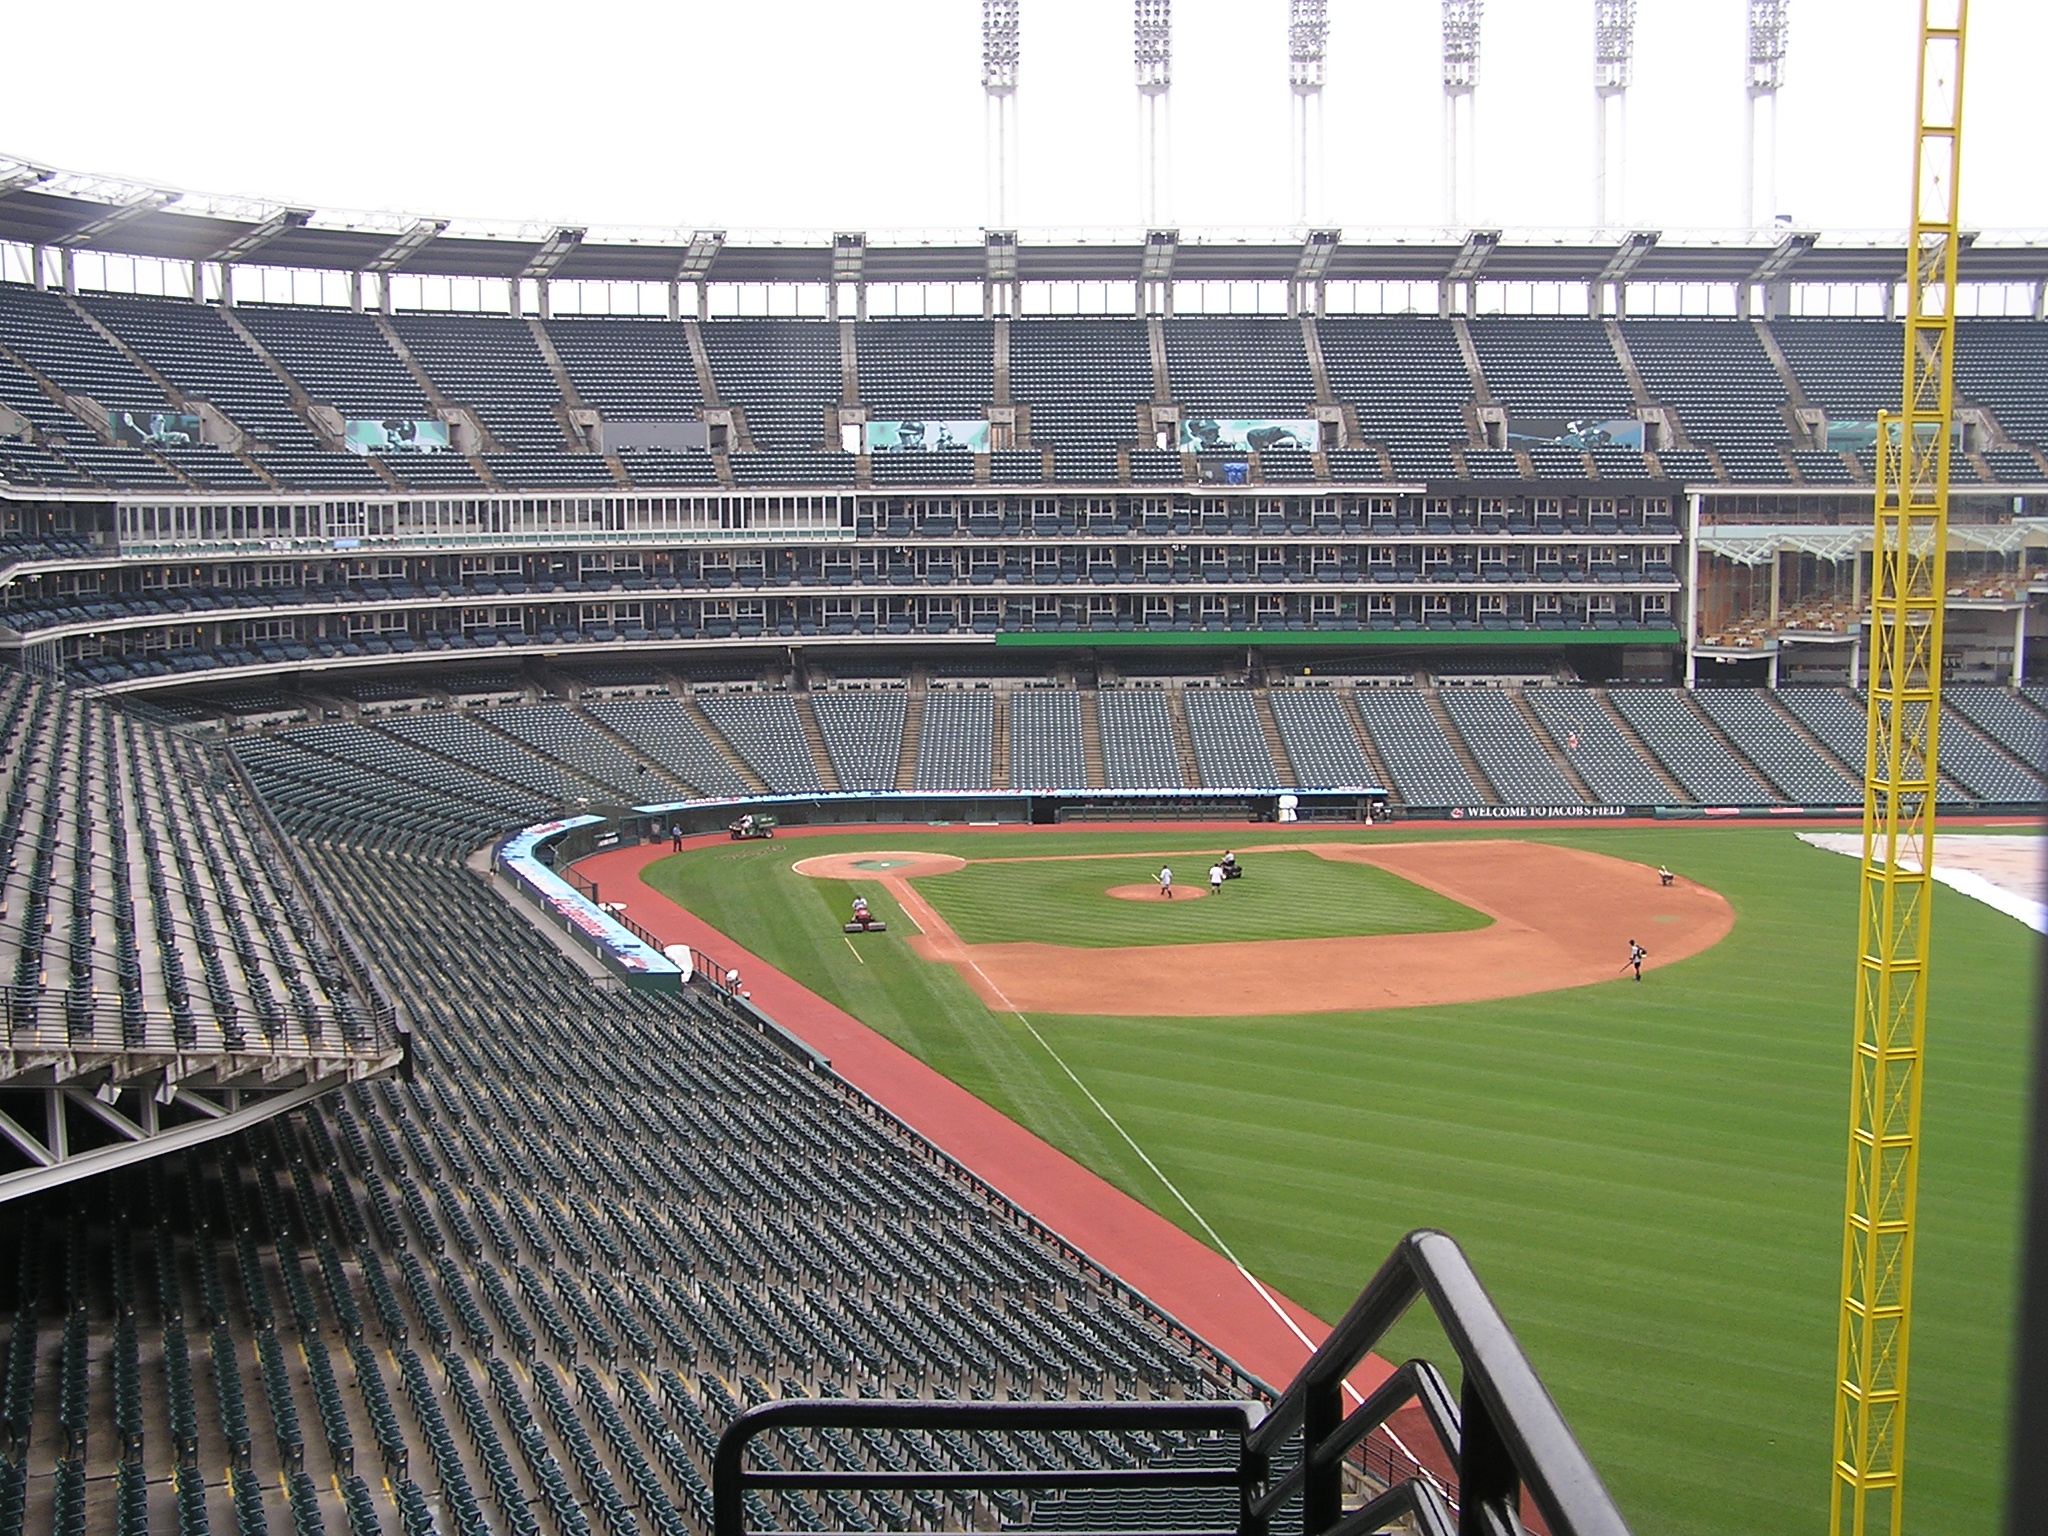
(1692, 588)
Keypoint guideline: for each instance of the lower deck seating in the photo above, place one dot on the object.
(1594, 745)
(764, 729)
(864, 734)
(1420, 760)
(1667, 725)
(1137, 740)
(1230, 747)
(525, 1288)
(956, 742)
(1319, 739)
(1507, 749)
(1047, 749)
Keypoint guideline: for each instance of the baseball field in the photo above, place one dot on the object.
(1376, 1031)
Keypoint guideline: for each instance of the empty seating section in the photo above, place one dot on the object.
(1980, 767)
(1775, 748)
(1594, 745)
(1837, 721)
(340, 358)
(1230, 746)
(1047, 748)
(956, 741)
(1716, 376)
(2005, 717)
(1849, 368)
(1559, 370)
(1691, 753)
(1422, 763)
(863, 735)
(2000, 365)
(1239, 367)
(1507, 748)
(525, 1289)
(663, 729)
(913, 370)
(1320, 740)
(1084, 381)
(555, 730)
(1407, 380)
(463, 740)
(192, 346)
(1137, 740)
(764, 729)
(629, 370)
(784, 373)
(141, 905)
(490, 364)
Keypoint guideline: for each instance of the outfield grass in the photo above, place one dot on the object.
(1648, 1178)
(1281, 896)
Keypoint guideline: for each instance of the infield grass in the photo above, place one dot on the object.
(1648, 1177)
(1282, 895)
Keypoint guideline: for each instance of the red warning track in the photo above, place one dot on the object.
(1260, 1329)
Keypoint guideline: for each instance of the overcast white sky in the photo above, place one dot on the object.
(810, 114)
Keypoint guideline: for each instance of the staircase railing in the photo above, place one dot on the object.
(1500, 1435)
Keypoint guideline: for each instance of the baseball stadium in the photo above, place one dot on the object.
(690, 882)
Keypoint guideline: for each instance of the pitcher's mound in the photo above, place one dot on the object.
(1152, 893)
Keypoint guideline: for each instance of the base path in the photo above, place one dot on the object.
(1562, 917)
(1201, 1288)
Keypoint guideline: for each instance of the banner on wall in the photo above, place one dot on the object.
(1221, 434)
(1575, 432)
(396, 436)
(961, 436)
(1859, 436)
(154, 429)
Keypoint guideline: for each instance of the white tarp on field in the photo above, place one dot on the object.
(2002, 871)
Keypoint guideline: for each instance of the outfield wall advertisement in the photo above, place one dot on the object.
(154, 429)
(1575, 432)
(1223, 434)
(968, 436)
(395, 436)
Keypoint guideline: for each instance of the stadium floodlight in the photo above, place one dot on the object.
(1001, 54)
(552, 253)
(1770, 23)
(1769, 31)
(1614, 66)
(1308, 36)
(1152, 52)
(406, 246)
(1152, 38)
(249, 242)
(1471, 258)
(126, 213)
(1461, 126)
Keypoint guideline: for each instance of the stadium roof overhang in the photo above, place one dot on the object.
(43, 208)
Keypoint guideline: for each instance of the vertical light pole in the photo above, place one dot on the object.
(1308, 34)
(1152, 50)
(1769, 24)
(1461, 124)
(1614, 57)
(999, 56)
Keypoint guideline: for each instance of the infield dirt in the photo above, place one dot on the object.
(1562, 917)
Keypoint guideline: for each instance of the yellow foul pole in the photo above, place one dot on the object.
(1907, 589)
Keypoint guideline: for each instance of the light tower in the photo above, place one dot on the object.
(1614, 59)
(1769, 21)
(999, 55)
(1308, 33)
(1152, 40)
(1461, 125)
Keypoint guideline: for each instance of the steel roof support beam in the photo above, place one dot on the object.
(1770, 276)
(114, 218)
(406, 246)
(552, 253)
(247, 244)
(1610, 288)
(1463, 273)
(1155, 272)
(849, 269)
(1305, 292)
(999, 273)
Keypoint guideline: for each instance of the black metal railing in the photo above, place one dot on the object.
(1499, 1435)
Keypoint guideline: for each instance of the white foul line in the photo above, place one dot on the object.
(1215, 1237)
